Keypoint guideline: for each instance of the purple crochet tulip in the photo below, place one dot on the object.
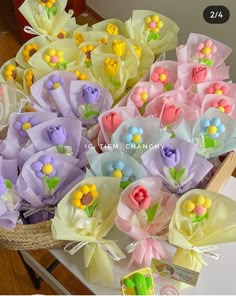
(57, 134)
(90, 94)
(170, 157)
(3, 187)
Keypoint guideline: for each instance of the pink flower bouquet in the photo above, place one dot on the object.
(143, 213)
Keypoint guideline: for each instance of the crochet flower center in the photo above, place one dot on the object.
(86, 199)
(211, 130)
(117, 174)
(25, 126)
(85, 196)
(47, 169)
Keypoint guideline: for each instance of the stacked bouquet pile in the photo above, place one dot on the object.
(159, 143)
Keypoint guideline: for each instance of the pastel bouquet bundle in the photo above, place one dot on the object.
(44, 179)
(110, 120)
(115, 164)
(11, 101)
(134, 136)
(85, 216)
(49, 154)
(9, 198)
(110, 53)
(159, 154)
(176, 163)
(17, 136)
(201, 220)
(189, 96)
(143, 213)
(62, 93)
(46, 17)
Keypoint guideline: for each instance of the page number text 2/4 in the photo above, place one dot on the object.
(216, 14)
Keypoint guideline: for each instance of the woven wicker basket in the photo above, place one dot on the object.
(30, 237)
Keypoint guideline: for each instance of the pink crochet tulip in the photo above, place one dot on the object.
(170, 114)
(111, 121)
(199, 74)
(139, 198)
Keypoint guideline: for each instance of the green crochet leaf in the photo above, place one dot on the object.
(153, 36)
(90, 209)
(210, 143)
(8, 183)
(53, 182)
(177, 174)
(151, 212)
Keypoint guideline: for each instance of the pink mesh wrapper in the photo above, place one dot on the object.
(164, 73)
(190, 75)
(223, 103)
(217, 87)
(143, 93)
(172, 107)
(136, 223)
(202, 49)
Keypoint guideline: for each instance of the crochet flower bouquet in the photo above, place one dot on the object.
(73, 92)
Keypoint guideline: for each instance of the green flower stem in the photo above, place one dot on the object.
(200, 218)
(124, 184)
(90, 209)
(168, 86)
(62, 66)
(153, 36)
(115, 83)
(60, 149)
(142, 109)
(51, 11)
(89, 113)
(8, 183)
(88, 64)
(51, 183)
(207, 62)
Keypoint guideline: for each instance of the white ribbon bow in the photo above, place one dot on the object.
(30, 30)
(206, 251)
(108, 246)
(134, 245)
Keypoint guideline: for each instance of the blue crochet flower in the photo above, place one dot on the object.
(133, 137)
(118, 169)
(213, 128)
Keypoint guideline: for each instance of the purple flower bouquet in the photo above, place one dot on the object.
(44, 179)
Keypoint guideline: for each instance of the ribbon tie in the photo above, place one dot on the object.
(30, 210)
(109, 246)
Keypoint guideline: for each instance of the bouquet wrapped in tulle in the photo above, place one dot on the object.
(85, 216)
